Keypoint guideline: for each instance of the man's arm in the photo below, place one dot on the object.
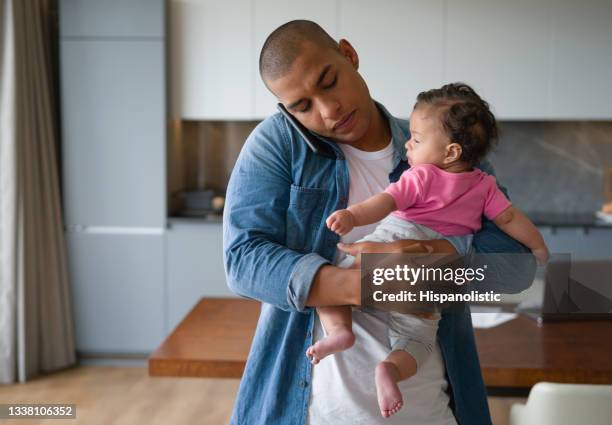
(258, 265)
(335, 286)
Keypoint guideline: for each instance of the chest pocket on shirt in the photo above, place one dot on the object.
(304, 216)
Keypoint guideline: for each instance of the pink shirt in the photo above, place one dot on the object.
(449, 203)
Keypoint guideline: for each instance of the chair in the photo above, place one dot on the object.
(565, 404)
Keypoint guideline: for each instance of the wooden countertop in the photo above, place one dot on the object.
(214, 340)
(520, 353)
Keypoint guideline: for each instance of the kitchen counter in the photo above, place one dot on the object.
(215, 337)
(556, 219)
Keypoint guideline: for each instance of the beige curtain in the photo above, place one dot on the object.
(36, 328)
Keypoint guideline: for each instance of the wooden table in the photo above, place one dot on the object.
(520, 353)
(214, 340)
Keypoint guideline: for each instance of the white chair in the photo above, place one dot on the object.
(565, 404)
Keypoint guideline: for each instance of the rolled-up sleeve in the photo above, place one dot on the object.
(301, 280)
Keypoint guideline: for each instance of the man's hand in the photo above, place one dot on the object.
(337, 286)
(408, 246)
(341, 222)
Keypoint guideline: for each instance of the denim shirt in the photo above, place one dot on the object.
(274, 242)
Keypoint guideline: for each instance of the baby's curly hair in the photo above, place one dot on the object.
(465, 117)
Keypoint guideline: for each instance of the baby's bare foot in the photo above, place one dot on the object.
(335, 342)
(390, 398)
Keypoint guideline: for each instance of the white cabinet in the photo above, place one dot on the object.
(581, 72)
(211, 59)
(400, 46)
(531, 60)
(269, 15)
(113, 132)
(117, 291)
(502, 49)
(112, 18)
(194, 262)
(113, 95)
(581, 243)
(215, 48)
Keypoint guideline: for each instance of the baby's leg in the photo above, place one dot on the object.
(337, 322)
(412, 339)
(398, 366)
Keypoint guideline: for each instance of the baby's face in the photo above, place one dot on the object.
(428, 142)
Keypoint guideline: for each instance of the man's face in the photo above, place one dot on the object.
(324, 91)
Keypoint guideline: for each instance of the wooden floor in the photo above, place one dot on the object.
(127, 396)
(111, 395)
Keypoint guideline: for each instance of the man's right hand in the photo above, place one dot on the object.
(337, 286)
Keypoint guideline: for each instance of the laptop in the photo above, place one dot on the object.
(574, 290)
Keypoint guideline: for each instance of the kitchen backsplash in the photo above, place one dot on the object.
(547, 166)
(554, 166)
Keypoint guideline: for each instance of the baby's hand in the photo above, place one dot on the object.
(541, 255)
(341, 222)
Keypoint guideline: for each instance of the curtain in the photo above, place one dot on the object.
(36, 326)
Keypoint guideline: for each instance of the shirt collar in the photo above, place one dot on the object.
(399, 135)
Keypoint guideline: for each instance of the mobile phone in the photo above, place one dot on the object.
(315, 145)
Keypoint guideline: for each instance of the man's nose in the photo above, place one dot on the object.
(330, 108)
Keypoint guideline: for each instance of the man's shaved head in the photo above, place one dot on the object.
(286, 43)
(316, 79)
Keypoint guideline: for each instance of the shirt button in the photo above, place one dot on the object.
(303, 384)
(308, 334)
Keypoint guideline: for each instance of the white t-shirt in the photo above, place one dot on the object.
(343, 389)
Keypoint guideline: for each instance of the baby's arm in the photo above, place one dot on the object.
(369, 211)
(516, 224)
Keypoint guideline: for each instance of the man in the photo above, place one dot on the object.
(278, 250)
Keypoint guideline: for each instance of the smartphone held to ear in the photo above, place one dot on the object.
(315, 145)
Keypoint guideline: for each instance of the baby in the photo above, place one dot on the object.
(442, 194)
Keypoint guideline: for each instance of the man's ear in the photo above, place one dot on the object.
(453, 153)
(347, 50)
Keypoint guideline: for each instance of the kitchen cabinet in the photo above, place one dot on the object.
(112, 82)
(400, 46)
(501, 49)
(112, 18)
(542, 60)
(580, 242)
(211, 60)
(113, 132)
(117, 291)
(581, 58)
(194, 263)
